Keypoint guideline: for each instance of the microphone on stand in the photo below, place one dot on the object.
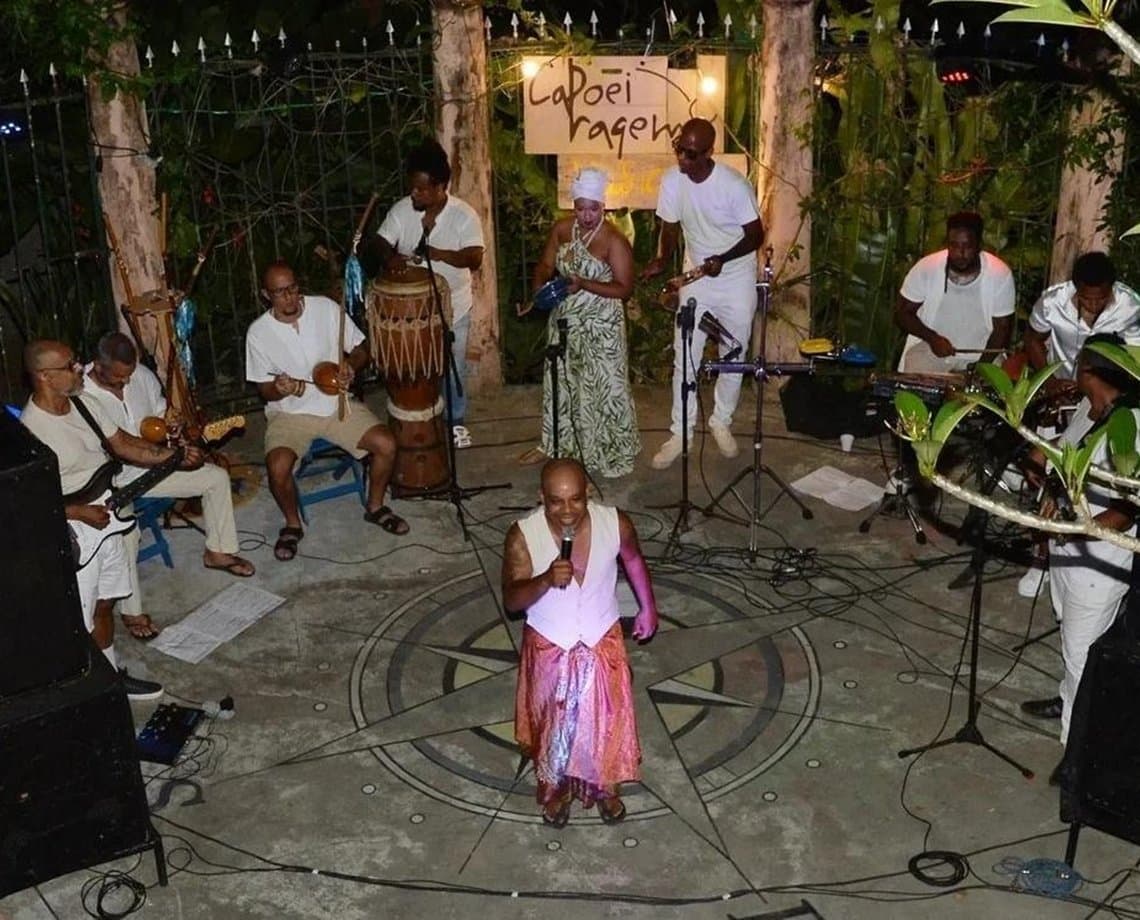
(421, 246)
(712, 327)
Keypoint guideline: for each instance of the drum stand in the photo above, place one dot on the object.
(686, 318)
(760, 370)
(452, 491)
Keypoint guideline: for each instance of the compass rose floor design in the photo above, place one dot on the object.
(370, 770)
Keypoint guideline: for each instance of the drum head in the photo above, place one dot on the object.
(551, 294)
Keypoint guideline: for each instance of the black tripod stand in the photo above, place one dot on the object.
(897, 501)
(969, 733)
(452, 491)
(686, 318)
(760, 371)
(553, 353)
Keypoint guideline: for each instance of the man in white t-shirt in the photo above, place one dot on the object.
(715, 207)
(1066, 314)
(282, 347)
(129, 393)
(956, 305)
(430, 225)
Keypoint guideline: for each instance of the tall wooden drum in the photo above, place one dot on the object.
(406, 335)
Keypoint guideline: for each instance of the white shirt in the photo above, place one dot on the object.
(579, 612)
(71, 439)
(989, 296)
(712, 215)
(456, 227)
(142, 397)
(1056, 314)
(273, 347)
(1099, 566)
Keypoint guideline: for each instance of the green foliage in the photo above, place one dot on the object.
(1121, 433)
(896, 153)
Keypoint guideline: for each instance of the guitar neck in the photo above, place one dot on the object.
(147, 480)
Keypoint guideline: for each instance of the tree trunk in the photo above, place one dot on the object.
(126, 179)
(463, 127)
(1084, 191)
(786, 117)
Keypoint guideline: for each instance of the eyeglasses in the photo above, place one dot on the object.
(285, 290)
(75, 362)
(689, 153)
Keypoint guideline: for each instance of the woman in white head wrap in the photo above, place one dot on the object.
(596, 419)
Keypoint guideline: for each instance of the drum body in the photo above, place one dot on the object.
(932, 389)
(406, 336)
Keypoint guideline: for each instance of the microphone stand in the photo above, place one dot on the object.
(553, 353)
(452, 491)
(761, 371)
(969, 733)
(686, 317)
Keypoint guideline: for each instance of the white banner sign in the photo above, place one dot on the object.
(620, 106)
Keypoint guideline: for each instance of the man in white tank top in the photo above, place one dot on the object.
(574, 708)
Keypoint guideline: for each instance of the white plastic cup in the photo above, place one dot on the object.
(847, 441)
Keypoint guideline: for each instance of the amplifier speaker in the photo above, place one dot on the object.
(71, 793)
(1100, 776)
(40, 618)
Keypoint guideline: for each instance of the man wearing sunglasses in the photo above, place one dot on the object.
(715, 207)
(54, 415)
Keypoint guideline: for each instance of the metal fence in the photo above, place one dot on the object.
(53, 280)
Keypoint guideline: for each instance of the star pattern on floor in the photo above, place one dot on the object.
(656, 667)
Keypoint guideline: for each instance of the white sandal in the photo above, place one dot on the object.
(462, 436)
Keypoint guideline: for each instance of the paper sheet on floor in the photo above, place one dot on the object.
(839, 488)
(216, 621)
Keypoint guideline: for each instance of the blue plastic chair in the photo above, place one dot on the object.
(323, 457)
(149, 512)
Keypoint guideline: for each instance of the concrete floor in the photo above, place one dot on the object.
(372, 735)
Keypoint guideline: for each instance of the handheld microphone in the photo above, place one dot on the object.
(567, 542)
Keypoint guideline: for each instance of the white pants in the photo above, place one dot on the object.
(1087, 602)
(733, 302)
(212, 483)
(104, 578)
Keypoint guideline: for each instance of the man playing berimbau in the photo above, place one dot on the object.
(574, 706)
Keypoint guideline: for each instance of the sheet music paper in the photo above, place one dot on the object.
(218, 620)
(839, 489)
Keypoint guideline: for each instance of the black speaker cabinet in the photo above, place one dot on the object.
(41, 621)
(71, 793)
(1100, 776)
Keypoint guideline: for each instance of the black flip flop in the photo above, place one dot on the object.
(286, 546)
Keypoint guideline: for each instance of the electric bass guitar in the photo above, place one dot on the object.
(85, 539)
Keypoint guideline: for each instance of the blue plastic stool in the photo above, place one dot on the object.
(325, 457)
(149, 512)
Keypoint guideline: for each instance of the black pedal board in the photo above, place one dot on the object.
(166, 733)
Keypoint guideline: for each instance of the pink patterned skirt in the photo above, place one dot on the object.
(574, 717)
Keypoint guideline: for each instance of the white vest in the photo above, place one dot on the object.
(579, 612)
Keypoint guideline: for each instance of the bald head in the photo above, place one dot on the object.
(563, 471)
(44, 353)
(52, 369)
(700, 131)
